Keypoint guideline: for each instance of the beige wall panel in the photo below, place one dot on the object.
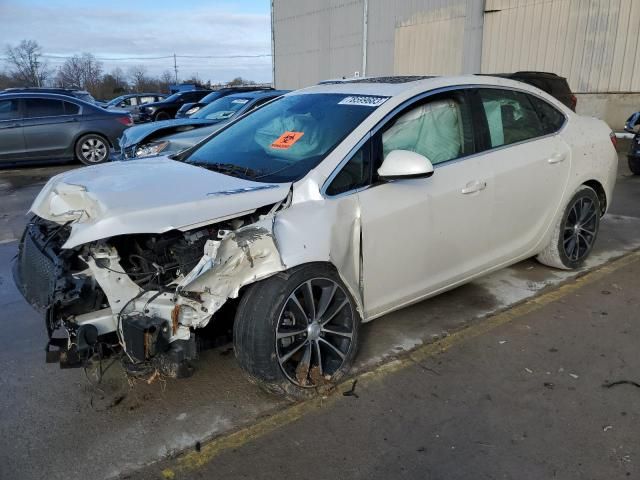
(594, 43)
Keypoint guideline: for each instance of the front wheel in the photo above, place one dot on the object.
(634, 165)
(92, 149)
(161, 116)
(575, 233)
(297, 331)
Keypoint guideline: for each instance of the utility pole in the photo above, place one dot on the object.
(175, 67)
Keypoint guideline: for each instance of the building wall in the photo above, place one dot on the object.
(595, 44)
(316, 40)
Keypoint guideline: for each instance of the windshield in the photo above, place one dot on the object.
(222, 109)
(116, 100)
(210, 97)
(86, 97)
(286, 138)
(172, 98)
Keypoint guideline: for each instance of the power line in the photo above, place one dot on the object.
(164, 57)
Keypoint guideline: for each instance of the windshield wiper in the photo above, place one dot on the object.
(230, 169)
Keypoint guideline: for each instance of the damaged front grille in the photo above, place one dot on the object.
(37, 267)
(36, 273)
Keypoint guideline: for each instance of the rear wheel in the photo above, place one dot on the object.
(575, 233)
(92, 149)
(297, 331)
(161, 116)
(634, 165)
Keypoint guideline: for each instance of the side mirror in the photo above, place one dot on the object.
(401, 164)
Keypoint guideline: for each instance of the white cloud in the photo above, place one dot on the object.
(137, 32)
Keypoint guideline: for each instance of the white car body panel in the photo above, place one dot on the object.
(147, 196)
(392, 244)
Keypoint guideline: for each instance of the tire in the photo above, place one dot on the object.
(276, 339)
(161, 116)
(634, 165)
(92, 149)
(575, 232)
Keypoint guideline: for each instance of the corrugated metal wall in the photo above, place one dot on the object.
(320, 39)
(316, 40)
(594, 43)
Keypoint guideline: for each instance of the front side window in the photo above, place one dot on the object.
(510, 116)
(43, 107)
(8, 109)
(286, 138)
(440, 129)
(356, 173)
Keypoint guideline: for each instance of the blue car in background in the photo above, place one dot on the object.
(171, 136)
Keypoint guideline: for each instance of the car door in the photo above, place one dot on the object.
(420, 236)
(50, 126)
(12, 145)
(530, 166)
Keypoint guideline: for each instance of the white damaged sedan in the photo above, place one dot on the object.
(323, 209)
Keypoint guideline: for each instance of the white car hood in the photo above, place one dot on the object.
(152, 195)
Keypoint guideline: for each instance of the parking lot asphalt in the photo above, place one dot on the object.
(549, 390)
(56, 421)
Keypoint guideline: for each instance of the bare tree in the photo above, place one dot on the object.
(166, 79)
(138, 77)
(27, 64)
(80, 71)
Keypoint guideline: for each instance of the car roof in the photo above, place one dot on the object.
(392, 86)
(258, 93)
(53, 96)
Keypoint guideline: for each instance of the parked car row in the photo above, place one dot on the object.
(132, 102)
(35, 127)
(170, 136)
(310, 214)
(41, 124)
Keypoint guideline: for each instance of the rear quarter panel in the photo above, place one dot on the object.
(593, 156)
(105, 125)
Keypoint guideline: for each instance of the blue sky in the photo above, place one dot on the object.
(145, 28)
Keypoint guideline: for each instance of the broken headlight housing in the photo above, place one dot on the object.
(151, 149)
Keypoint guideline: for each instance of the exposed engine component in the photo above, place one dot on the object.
(64, 284)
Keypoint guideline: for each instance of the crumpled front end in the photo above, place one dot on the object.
(145, 295)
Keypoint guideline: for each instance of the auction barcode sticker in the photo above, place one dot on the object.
(363, 100)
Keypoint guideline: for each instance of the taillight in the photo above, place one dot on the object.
(574, 102)
(128, 121)
(614, 139)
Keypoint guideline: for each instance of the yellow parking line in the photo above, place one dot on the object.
(193, 460)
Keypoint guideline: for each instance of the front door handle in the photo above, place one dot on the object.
(474, 186)
(557, 158)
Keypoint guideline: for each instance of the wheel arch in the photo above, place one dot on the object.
(600, 191)
(91, 132)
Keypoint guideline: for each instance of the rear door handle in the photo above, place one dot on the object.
(557, 158)
(474, 186)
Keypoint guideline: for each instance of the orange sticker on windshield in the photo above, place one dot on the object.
(287, 140)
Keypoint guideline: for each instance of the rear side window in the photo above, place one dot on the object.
(8, 109)
(440, 129)
(43, 107)
(144, 100)
(550, 117)
(71, 108)
(356, 173)
(510, 116)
